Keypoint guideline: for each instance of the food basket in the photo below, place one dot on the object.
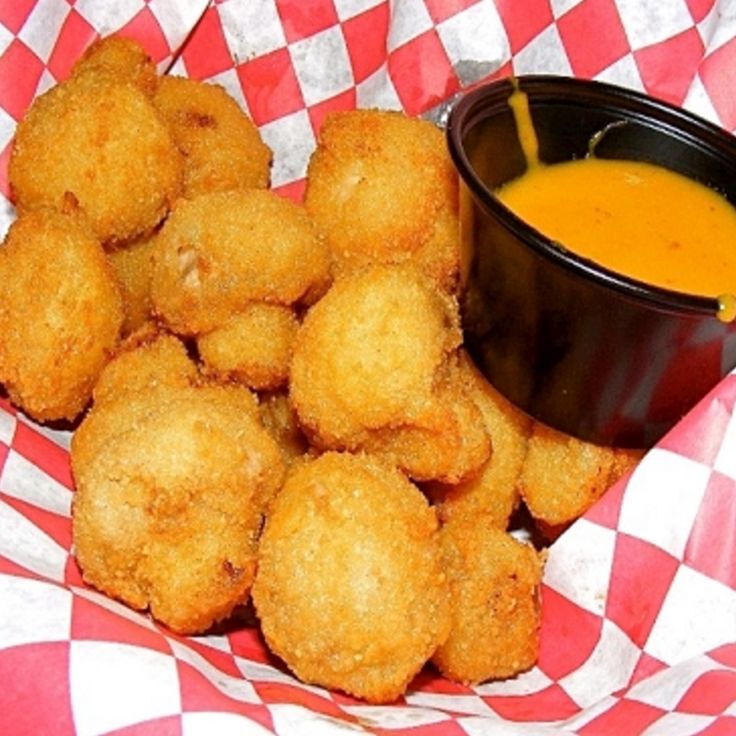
(639, 595)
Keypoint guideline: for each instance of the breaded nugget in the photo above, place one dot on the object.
(60, 314)
(449, 443)
(382, 187)
(368, 354)
(350, 591)
(222, 148)
(99, 146)
(119, 59)
(493, 491)
(219, 251)
(563, 476)
(494, 582)
(171, 485)
(280, 420)
(369, 371)
(146, 359)
(253, 347)
(133, 267)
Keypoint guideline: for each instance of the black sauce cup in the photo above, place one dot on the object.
(593, 353)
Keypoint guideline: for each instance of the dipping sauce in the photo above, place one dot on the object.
(637, 219)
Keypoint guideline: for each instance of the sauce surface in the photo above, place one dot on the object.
(634, 218)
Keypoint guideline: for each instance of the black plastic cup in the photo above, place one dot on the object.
(588, 351)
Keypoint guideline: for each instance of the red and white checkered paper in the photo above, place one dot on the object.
(639, 596)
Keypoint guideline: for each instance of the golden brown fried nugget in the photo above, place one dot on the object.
(60, 314)
(350, 591)
(170, 489)
(219, 251)
(563, 476)
(369, 371)
(99, 146)
(494, 581)
(448, 443)
(133, 266)
(382, 187)
(119, 59)
(494, 491)
(253, 347)
(368, 354)
(222, 148)
(146, 359)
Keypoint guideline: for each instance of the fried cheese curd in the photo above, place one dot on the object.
(350, 591)
(95, 141)
(120, 59)
(494, 490)
(222, 147)
(370, 371)
(220, 251)
(383, 189)
(133, 267)
(172, 478)
(60, 314)
(494, 601)
(253, 347)
(563, 476)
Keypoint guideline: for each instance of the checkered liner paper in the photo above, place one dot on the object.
(639, 596)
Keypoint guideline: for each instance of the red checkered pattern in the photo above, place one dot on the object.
(639, 597)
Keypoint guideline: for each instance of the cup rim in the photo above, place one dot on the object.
(465, 113)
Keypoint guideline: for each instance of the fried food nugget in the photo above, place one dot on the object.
(562, 476)
(253, 347)
(367, 355)
(368, 373)
(494, 491)
(494, 582)
(119, 59)
(222, 147)
(219, 251)
(449, 443)
(98, 145)
(382, 187)
(60, 314)
(350, 591)
(144, 360)
(133, 267)
(171, 485)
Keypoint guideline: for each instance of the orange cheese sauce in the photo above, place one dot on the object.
(634, 218)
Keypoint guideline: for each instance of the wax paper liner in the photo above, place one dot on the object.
(639, 596)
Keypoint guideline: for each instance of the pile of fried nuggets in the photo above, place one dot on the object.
(270, 398)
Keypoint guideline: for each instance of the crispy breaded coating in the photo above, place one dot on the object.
(60, 314)
(171, 485)
(217, 252)
(133, 267)
(253, 347)
(367, 355)
(449, 443)
(494, 601)
(494, 491)
(119, 59)
(146, 359)
(382, 187)
(100, 146)
(562, 476)
(350, 591)
(369, 371)
(221, 145)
